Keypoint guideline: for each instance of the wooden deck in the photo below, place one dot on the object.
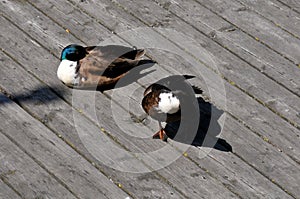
(60, 143)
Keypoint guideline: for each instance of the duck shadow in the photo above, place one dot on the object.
(39, 95)
(207, 132)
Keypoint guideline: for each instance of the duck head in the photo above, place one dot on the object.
(73, 52)
(68, 68)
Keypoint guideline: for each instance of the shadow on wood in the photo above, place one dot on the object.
(40, 95)
(208, 129)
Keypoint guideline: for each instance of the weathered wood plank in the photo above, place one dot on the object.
(281, 15)
(7, 192)
(20, 171)
(279, 40)
(36, 26)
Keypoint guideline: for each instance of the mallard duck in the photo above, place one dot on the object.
(162, 100)
(96, 66)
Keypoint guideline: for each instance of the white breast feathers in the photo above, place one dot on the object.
(66, 72)
(168, 103)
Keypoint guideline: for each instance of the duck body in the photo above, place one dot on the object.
(96, 66)
(161, 103)
(162, 100)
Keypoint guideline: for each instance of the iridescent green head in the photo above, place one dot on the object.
(73, 52)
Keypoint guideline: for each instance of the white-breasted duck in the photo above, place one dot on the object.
(96, 66)
(162, 100)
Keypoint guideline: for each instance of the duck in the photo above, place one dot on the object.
(97, 67)
(162, 100)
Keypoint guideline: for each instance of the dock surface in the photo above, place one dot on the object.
(58, 142)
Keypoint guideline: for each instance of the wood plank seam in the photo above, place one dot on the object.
(2, 178)
(273, 181)
(287, 5)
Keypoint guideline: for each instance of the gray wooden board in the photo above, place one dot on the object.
(6, 192)
(219, 190)
(19, 170)
(278, 13)
(257, 26)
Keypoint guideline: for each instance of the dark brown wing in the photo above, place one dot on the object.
(104, 63)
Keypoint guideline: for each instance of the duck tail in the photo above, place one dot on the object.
(134, 54)
(140, 53)
(188, 76)
(197, 90)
